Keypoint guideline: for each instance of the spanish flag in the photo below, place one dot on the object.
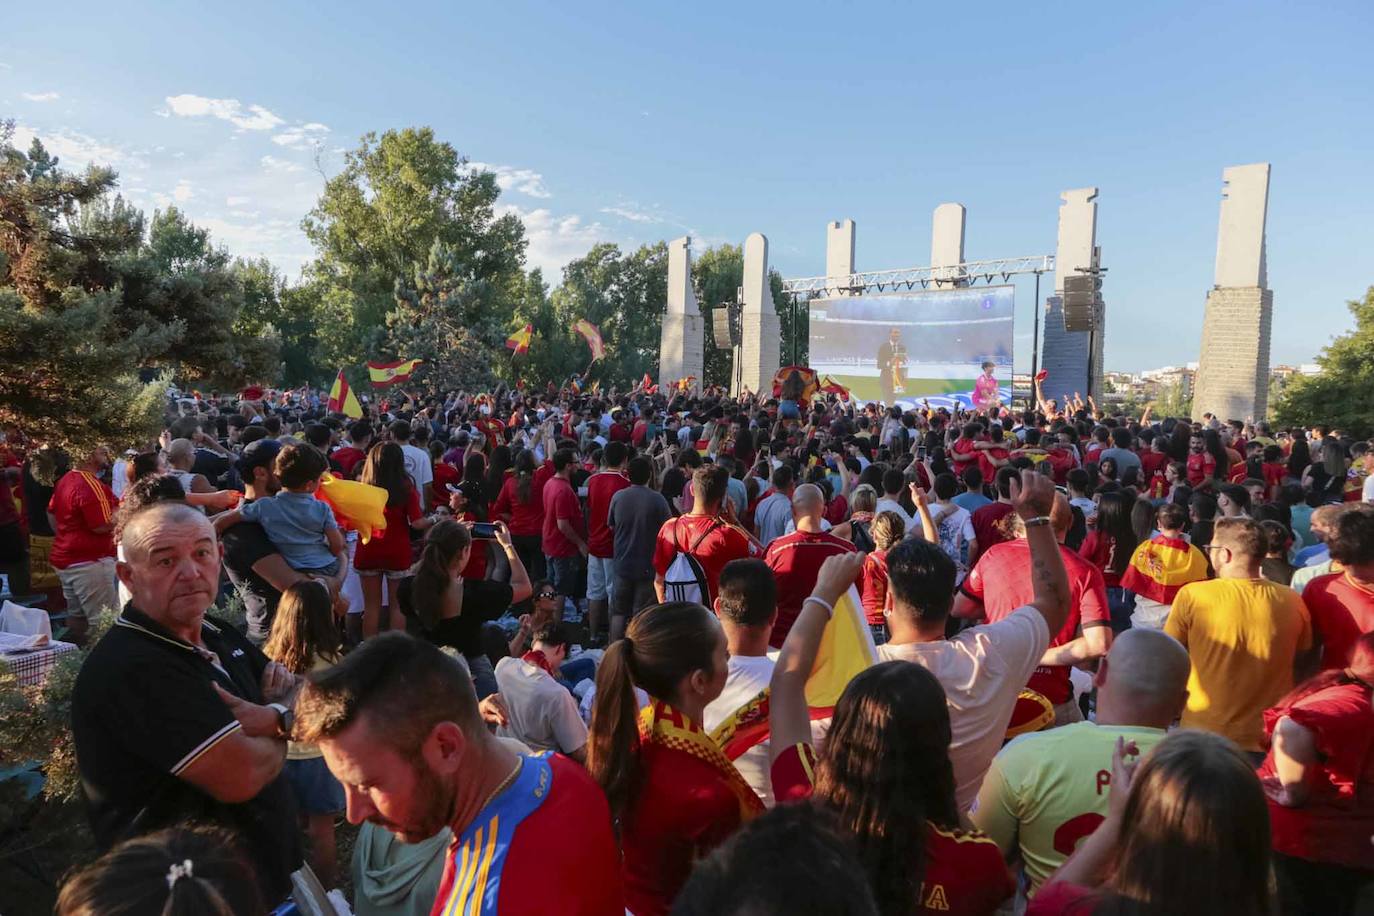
(384, 374)
(593, 337)
(519, 342)
(361, 504)
(846, 649)
(1163, 565)
(830, 386)
(342, 399)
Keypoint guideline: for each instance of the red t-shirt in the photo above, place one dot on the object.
(390, 550)
(1001, 582)
(1100, 550)
(1200, 467)
(873, 585)
(684, 809)
(1274, 476)
(513, 861)
(1337, 820)
(985, 456)
(619, 433)
(444, 474)
(1061, 462)
(1152, 465)
(796, 560)
(836, 511)
(723, 544)
(639, 433)
(964, 871)
(348, 458)
(1342, 611)
(962, 453)
(600, 488)
(560, 503)
(1060, 898)
(525, 519)
(988, 524)
(80, 502)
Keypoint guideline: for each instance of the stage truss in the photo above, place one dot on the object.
(969, 273)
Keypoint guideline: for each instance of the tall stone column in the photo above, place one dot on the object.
(1233, 370)
(947, 244)
(681, 343)
(1072, 359)
(761, 348)
(839, 251)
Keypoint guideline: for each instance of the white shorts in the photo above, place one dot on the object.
(600, 578)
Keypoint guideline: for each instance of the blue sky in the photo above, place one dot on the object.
(637, 122)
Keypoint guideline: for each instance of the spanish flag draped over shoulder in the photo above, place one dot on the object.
(592, 334)
(342, 400)
(361, 504)
(1163, 565)
(519, 342)
(846, 649)
(384, 374)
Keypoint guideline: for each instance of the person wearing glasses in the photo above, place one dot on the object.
(1243, 635)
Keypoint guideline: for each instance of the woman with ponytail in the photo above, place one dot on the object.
(450, 610)
(389, 553)
(884, 770)
(520, 505)
(673, 795)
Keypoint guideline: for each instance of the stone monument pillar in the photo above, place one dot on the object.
(1072, 359)
(761, 349)
(947, 244)
(839, 251)
(1233, 371)
(682, 341)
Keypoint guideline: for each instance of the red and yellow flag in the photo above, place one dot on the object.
(519, 342)
(1163, 565)
(342, 399)
(593, 337)
(830, 386)
(385, 374)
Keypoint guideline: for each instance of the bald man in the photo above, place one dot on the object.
(1000, 582)
(1046, 791)
(169, 712)
(181, 457)
(796, 558)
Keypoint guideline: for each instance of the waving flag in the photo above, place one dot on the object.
(361, 504)
(830, 386)
(384, 374)
(342, 399)
(593, 337)
(1163, 565)
(647, 385)
(806, 378)
(519, 342)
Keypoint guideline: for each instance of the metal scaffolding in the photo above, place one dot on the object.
(968, 273)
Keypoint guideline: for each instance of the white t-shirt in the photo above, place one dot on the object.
(1367, 494)
(956, 530)
(748, 675)
(542, 713)
(982, 670)
(891, 505)
(419, 468)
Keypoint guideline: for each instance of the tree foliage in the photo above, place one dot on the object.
(717, 276)
(1338, 395)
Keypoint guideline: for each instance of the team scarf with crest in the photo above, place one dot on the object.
(665, 726)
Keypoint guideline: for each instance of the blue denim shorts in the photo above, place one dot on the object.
(317, 791)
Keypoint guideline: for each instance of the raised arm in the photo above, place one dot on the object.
(1033, 499)
(928, 528)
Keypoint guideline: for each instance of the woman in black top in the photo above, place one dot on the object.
(451, 610)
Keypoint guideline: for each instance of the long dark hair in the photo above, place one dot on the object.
(1114, 523)
(885, 772)
(496, 471)
(1211, 443)
(385, 467)
(444, 543)
(662, 645)
(524, 476)
(303, 628)
(1195, 834)
(1299, 457)
(1178, 441)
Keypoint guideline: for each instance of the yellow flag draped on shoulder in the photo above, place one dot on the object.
(1163, 565)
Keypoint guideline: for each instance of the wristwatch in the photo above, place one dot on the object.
(286, 717)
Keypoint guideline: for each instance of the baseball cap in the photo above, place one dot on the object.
(258, 454)
(470, 489)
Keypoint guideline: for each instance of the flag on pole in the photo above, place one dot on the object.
(385, 374)
(342, 399)
(519, 342)
(593, 337)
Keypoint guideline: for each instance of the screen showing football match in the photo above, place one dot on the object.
(902, 348)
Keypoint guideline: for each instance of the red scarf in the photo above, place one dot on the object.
(537, 658)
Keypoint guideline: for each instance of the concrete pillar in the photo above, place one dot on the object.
(761, 348)
(839, 250)
(947, 244)
(1073, 359)
(1233, 369)
(681, 342)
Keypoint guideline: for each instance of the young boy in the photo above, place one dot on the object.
(1078, 482)
(301, 527)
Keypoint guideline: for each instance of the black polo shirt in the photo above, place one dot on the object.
(144, 710)
(244, 545)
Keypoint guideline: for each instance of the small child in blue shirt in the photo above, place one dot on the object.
(301, 527)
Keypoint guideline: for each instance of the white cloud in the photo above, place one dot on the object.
(180, 194)
(303, 136)
(236, 200)
(556, 240)
(272, 163)
(77, 149)
(41, 96)
(628, 213)
(508, 178)
(251, 117)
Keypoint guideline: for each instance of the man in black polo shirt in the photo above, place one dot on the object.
(258, 571)
(168, 712)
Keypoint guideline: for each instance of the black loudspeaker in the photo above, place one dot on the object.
(1082, 299)
(725, 330)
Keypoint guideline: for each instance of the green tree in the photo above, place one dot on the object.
(1338, 394)
(397, 195)
(1172, 403)
(624, 295)
(716, 278)
(271, 309)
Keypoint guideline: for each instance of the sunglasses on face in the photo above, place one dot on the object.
(547, 595)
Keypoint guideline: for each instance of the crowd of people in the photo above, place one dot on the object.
(1118, 665)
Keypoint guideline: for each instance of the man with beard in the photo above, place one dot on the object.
(398, 723)
(891, 356)
(81, 513)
